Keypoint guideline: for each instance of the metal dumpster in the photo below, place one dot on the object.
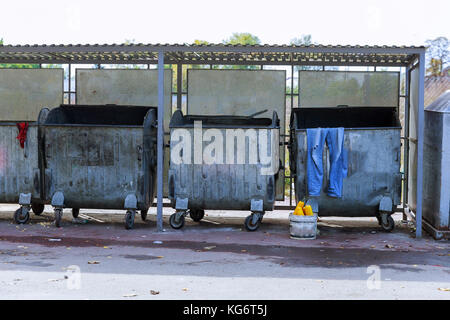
(20, 176)
(372, 141)
(436, 171)
(223, 163)
(101, 157)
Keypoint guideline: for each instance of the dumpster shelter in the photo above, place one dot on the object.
(410, 60)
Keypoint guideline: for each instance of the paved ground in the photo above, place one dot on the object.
(216, 259)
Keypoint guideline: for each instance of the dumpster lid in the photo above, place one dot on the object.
(441, 104)
(224, 121)
(98, 115)
(347, 117)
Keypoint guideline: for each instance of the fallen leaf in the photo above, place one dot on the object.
(243, 250)
(153, 292)
(372, 246)
(93, 262)
(185, 289)
(105, 247)
(209, 248)
(160, 257)
(129, 295)
(389, 246)
(444, 289)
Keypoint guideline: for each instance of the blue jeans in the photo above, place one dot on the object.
(316, 138)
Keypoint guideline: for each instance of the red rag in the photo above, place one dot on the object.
(22, 136)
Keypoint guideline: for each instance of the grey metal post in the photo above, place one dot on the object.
(160, 146)
(420, 134)
(406, 145)
(69, 87)
(179, 85)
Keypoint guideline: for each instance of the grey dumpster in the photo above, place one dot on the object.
(436, 171)
(372, 186)
(100, 157)
(223, 163)
(20, 176)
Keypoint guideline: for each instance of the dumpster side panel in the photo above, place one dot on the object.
(222, 185)
(19, 168)
(436, 202)
(95, 167)
(373, 172)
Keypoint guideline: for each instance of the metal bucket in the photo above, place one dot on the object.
(303, 227)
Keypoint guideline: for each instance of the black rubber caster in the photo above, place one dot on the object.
(144, 214)
(37, 208)
(389, 226)
(22, 215)
(174, 224)
(197, 214)
(249, 225)
(129, 219)
(75, 212)
(58, 217)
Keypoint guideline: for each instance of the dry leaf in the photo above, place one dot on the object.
(243, 250)
(160, 257)
(444, 289)
(153, 292)
(185, 289)
(389, 246)
(93, 262)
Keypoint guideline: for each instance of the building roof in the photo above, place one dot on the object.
(212, 54)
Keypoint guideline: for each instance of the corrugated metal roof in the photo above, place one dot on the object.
(211, 54)
(441, 104)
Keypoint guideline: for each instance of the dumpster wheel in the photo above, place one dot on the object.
(250, 225)
(22, 215)
(37, 208)
(176, 224)
(75, 212)
(197, 214)
(129, 219)
(58, 217)
(144, 214)
(389, 225)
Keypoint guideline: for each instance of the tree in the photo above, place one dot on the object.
(304, 40)
(438, 55)
(242, 38)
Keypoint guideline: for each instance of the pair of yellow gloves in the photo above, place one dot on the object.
(302, 210)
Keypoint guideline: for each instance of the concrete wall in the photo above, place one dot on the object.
(127, 87)
(24, 92)
(352, 88)
(239, 92)
(124, 86)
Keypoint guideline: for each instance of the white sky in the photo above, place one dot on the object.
(389, 22)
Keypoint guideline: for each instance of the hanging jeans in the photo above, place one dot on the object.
(316, 138)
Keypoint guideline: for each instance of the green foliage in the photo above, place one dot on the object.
(242, 38)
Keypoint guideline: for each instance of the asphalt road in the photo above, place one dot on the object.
(217, 259)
